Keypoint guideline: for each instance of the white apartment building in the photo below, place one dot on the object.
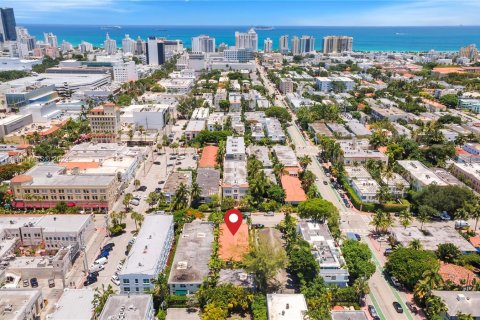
(358, 152)
(203, 44)
(419, 175)
(267, 45)
(110, 45)
(126, 306)
(178, 86)
(190, 265)
(215, 120)
(366, 189)
(105, 123)
(326, 252)
(148, 255)
(235, 102)
(194, 127)
(246, 40)
(337, 44)
(235, 148)
(200, 114)
(286, 306)
(128, 44)
(125, 72)
(274, 130)
(235, 184)
(149, 116)
(283, 44)
(327, 84)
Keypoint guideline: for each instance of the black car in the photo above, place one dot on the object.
(34, 282)
(412, 307)
(89, 281)
(325, 182)
(156, 162)
(108, 245)
(258, 226)
(158, 190)
(142, 188)
(397, 307)
(372, 311)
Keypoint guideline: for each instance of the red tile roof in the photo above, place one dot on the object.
(233, 247)
(293, 189)
(475, 241)
(455, 274)
(21, 178)
(208, 158)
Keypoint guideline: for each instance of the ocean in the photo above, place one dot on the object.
(364, 38)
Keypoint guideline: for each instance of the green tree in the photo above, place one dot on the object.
(224, 105)
(212, 312)
(152, 199)
(137, 218)
(415, 244)
(381, 221)
(448, 252)
(450, 100)
(302, 263)
(181, 197)
(100, 297)
(434, 307)
(304, 161)
(406, 218)
(136, 183)
(358, 258)
(126, 201)
(264, 261)
(61, 207)
(280, 113)
(408, 265)
(317, 209)
(361, 288)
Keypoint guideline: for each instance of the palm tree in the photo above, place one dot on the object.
(304, 161)
(100, 297)
(377, 220)
(415, 244)
(434, 306)
(432, 278)
(152, 199)
(137, 183)
(421, 290)
(181, 197)
(137, 218)
(126, 200)
(406, 218)
(195, 191)
(160, 290)
(383, 194)
(279, 170)
(308, 178)
(475, 213)
(361, 288)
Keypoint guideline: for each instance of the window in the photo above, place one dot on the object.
(53, 191)
(137, 289)
(146, 281)
(183, 286)
(126, 289)
(126, 281)
(136, 280)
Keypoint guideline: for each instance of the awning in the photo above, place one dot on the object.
(71, 204)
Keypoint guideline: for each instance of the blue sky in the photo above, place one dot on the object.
(248, 12)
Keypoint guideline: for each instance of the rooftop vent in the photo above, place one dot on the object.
(461, 297)
(182, 265)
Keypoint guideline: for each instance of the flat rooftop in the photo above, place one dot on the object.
(235, 145)
(58, 79)
(19, 300)
(63, 222)
(149, 246)
(285, 155)
(190, 264)
(466, 302)
(235, 173)
(175, 179)
(349, 315)
(261, 153)
(358, 172)
(132, 306)
(209, 181)
(420, 172)
(431, 237)
(286, 306)
(195, 126)
(74, 304)
(237, 277)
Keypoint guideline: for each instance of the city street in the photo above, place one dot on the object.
(382, 294)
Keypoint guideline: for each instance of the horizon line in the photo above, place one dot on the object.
(248, 25)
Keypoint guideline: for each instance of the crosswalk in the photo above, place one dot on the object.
(361, 232)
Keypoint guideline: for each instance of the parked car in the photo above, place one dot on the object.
(26, 283)
(412, 307)
(461, 224)
(115, 280)
(132, 241)
(158, 190)
(325, 182)
(89, 280)
(134, 202)
(445, 216)
(103, 254)
(96, 268)
(161, 182)
(109, 245)
(142, 188)
(269, 214)
(395, 282)
(101, 261)
(156, 162)
(397, 307)
(258, 226)
(372, 311)
(34, 282)
(387, 252)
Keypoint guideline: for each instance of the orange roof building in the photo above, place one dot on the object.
(209, 157)
(294, 193)
(456, 274)
(475, 241)
(233, 247)
(80, 165)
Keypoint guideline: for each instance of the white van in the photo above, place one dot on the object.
(96, 268)
(461, 224)
(101, 261)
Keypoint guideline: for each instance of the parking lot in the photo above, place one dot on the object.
(267, 221)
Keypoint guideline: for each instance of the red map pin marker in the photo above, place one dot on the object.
(233, 220)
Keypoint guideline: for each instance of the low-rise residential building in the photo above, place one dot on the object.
(235, 183)
(215, 121)
(192, 256)
(468, 173)
(44, 185)
(366, 189)
(209, 182)
(74, 304)
(235, 148)
(319, 130)
(326, 252)
(465, 302)
(174, 180)
(148, 255)
(200, 114)
(397, 185)
(178, 86)
(235, 100)
(358, 152)
(339, 131)
(261, 153)
(194, 127)
(237, 124)
(274, 130)
(431, 236)
(126, 306)
(419, 175)
(286, 85)
(285, 155)
(147, 116)
(294, 193)
(237, 277)
(358, 129)
(21, 304)
(286, 306)
(389, 113)
(349, 315)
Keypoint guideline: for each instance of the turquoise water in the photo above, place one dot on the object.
(364, 38)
